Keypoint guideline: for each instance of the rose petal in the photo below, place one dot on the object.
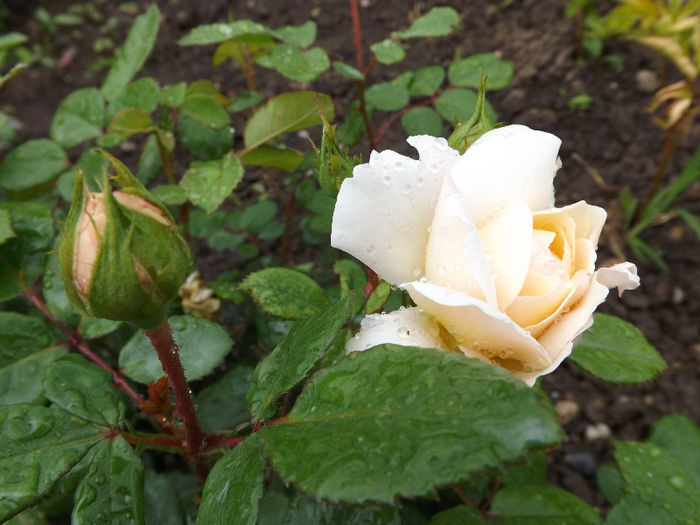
(406, 327)
(507, 163)
(455, 257)
(555, 340)
(477, 326)
(536, 313)
(383, 212)
(507, 240)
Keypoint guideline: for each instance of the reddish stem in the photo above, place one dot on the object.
(357, 31)
(214, 441)
(76, 341)
(161, 441)
(396, 116)
(168, 353)
(372, 282)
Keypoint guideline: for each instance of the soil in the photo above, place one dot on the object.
(614, 137)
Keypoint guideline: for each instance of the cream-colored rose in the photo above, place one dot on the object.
(496, 271)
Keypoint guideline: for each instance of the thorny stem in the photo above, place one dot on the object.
(76, 341)
(168, 353)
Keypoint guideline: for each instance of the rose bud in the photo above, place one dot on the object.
(121, 254)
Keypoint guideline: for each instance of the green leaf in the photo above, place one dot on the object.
(402, 420)
(173, 95)
(234, 486)
(633, 509)
(253, 218)
(222, 405)
(110, 140)
(21, 379)
(203, 142)
(170, 194)
(297, 64)
(83, 389)
(25, 354)
(12, 39)
(459, 515)
(161, 501)
(439, 21)
(208, 183)
(40, 445)
(542, 505)
(304, 511)
(282, 159)
(129, 121)
(422, 121)
(202, 343)
(92, 327)
(6, 231)
(294, 357)
(379, 297)
(615, 350)
(142, 94)
(206, 110)
(348, 71)
(78, 118)
(387, 96)
(532, 471)
(457, 105)
(150, 161)
(466, 72)
(112, 489)
(132, 55)
(215, 33)
(34, 162)
(690, 219)
(302, 35)
(388, 51)
(610, 483)
(352, 282)
(426, 80)
(22, 257)
(284, 113)
(245, 100)
(285, 293)
(658, 481)
(681, 438)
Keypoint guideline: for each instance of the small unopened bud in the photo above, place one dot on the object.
(121, 255)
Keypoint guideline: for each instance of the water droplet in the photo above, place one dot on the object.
(677, 482)
(398, 166)
(441, 270)
(387, 179)
(416, 272)
(370, 249)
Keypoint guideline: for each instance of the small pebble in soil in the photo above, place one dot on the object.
(648, 399)
(678, 295)
(583, 462)
(597, 431)
(647, 81)
(567, 410)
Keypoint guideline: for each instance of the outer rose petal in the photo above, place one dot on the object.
(406, 327)
(478, 326)
(507, 163)
(383, 212)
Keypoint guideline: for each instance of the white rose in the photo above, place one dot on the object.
(496, 271)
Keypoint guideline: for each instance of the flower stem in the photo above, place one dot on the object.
(168, 353)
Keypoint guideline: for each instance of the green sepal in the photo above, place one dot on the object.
(334, 163)
(466, 133)
(66, 243)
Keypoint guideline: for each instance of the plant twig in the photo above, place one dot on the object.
(77, 342)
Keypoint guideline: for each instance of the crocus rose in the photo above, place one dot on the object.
(496, 271)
